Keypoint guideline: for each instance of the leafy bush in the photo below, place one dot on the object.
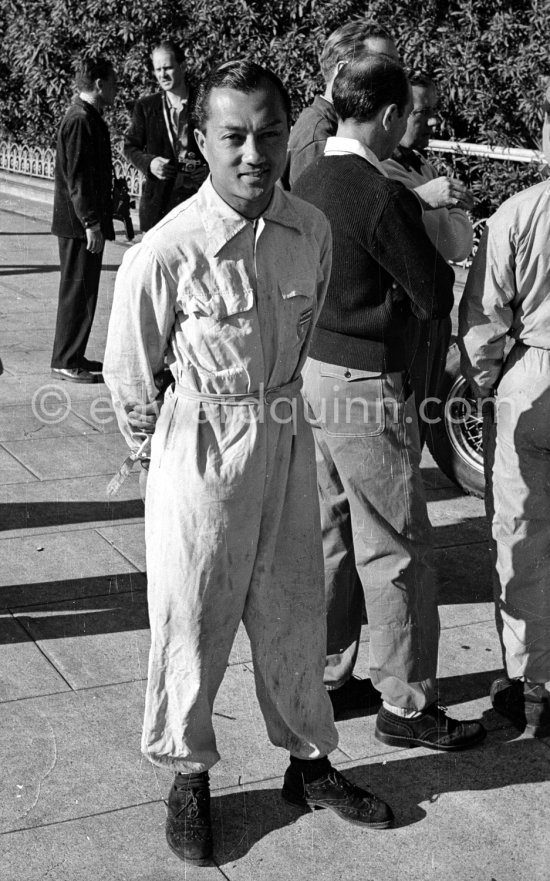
(489, 57)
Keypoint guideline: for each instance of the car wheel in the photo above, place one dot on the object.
(455, 439)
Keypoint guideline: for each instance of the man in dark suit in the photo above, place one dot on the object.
(318, 122)
(82, 216)
(160, 140)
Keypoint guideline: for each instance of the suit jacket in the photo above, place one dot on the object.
(83, 174)
(308, 137)
(146, 138)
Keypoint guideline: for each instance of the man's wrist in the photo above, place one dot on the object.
(93, 227)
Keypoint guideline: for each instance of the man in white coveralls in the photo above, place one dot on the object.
(507, 296)
(228, 287)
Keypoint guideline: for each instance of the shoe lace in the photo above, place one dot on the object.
(347, 786)
(340, 781)
(195, 805)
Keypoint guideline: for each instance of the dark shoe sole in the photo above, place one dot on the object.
(293, 799)
(408, 742)
(197, 861)
(95, 379)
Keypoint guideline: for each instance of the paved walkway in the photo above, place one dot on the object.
(78, 803)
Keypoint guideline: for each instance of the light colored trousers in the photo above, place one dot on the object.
(232, 532)
(377, 538)
(518, 467)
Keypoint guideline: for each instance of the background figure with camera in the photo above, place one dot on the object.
(160, 141)
(82, 216)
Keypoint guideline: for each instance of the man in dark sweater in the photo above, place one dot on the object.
(82, 216)
(318, 121)
(376, 533)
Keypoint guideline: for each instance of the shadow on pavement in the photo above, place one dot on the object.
(27, 515)
(92, 616)
(243, 818)
(436, 482)
(466, 686)
(26, 269)
(73, 591)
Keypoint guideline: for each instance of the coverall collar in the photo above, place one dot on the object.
(222, 223)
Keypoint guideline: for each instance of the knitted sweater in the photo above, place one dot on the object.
(384, 265)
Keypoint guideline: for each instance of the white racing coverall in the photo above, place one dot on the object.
(231, 520)
(507, 295)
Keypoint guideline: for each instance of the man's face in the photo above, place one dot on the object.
(169, 74)
(546, 126)
(245, 145)
(381, 46)
(421, 121)
(108, 89)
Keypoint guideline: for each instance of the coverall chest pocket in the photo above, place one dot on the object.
(218, 325)
(298, 309)
(216, 306)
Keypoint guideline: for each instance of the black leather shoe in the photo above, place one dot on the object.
(73, 374)
(525, 704)
(188, 825)
(507, 700)
(433, 729)
(91, 366)
(335, 792)
(354, 696)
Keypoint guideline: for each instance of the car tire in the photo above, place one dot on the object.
(455, 437)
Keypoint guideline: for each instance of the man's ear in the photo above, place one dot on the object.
(200, 139)
(389, 116)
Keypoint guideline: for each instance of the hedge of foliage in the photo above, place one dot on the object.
(490, 58)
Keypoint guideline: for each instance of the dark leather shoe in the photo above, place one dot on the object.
(188, 825)
(525, 704)
(73, 374)
(335, 792)
(91, 366)
(507, 700)
(354, 696)
(433, 729)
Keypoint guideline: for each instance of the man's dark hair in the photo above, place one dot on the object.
(169, 46)
(363, 87)
(243, 76)
(88, 70)
(346, 43)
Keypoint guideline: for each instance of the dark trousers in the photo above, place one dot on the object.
(427, 346)
(78, 289)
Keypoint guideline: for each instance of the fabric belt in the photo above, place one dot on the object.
(263, 396)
